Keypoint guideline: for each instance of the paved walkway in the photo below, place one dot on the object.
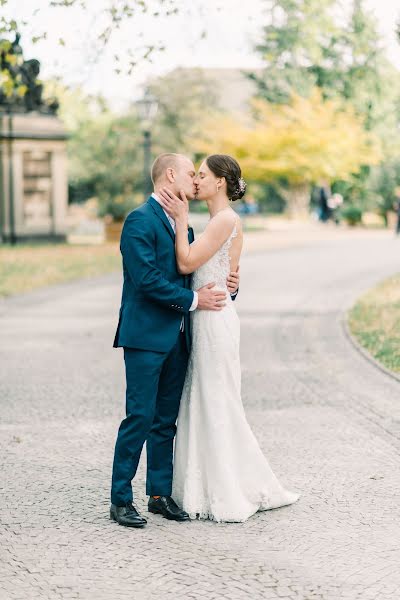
(328, 421)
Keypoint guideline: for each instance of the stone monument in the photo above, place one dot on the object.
(33, 161)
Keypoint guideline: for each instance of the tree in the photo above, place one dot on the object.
(183, 97)
(111, 15)
(105, 157)
(294, 145)
(104, 150)
(305, 45)
(383, 183)
(300, 47)
(112, 12)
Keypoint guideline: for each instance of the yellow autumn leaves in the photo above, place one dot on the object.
(302, 142)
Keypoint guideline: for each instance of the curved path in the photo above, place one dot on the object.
(327, 419)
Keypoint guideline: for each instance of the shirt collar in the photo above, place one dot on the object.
(157, 199)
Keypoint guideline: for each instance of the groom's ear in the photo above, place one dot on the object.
(170, 173)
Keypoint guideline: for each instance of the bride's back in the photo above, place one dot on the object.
(236, 246)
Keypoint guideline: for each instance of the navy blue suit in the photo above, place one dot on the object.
(155, 297)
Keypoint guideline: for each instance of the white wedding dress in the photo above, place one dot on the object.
(220, 472)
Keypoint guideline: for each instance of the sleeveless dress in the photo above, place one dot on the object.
(220, 472)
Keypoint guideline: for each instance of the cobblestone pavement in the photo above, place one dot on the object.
(327, 419)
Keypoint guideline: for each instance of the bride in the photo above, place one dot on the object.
(220, 472)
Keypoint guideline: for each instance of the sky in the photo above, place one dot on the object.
(232, 29)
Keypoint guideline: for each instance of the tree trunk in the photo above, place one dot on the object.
(297, 200)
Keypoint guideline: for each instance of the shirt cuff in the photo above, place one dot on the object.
(195, 302)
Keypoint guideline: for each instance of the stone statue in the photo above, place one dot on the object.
(26, 73)
(29, 71)
(16, 48)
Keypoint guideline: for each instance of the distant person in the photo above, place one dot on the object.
(324, 210)
(396, 207)
(334, 203)
(250, 206)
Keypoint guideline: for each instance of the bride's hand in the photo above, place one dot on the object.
(177, 208)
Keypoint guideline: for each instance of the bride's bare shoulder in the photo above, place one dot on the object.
(224, 219)
(232, 221)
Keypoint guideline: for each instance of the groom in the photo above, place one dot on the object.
(154, 330)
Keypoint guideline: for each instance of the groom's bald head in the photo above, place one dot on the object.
(174, 171)
(164, 162)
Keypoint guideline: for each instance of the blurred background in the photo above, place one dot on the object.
(304, 93)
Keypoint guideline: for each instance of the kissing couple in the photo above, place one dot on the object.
(180, 333)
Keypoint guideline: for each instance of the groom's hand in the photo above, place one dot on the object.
(210, 299)
(232, 281)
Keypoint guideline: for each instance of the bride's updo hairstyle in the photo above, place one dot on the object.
(223, 165)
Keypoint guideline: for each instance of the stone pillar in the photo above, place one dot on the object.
(34, 191)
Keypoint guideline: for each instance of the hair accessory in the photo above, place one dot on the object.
(242, 185)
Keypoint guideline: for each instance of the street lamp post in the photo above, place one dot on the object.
(11, 208)
(147, 162)
(147, 109)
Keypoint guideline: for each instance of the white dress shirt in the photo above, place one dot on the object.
(172, 223)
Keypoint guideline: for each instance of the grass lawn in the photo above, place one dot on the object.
(375, 321)
(28, 267)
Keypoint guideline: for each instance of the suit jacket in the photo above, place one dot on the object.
(154, 295)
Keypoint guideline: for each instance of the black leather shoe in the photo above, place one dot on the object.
(165, 506)
(127, 515)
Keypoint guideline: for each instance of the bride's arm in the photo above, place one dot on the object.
(190, 257)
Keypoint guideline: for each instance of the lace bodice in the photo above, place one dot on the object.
(217, 268)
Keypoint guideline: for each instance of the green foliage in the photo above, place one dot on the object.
(356, 189)
(375, 321)
(300, 48)
(383, 183)
(109, 19)
(106, 154)
(117, 206)
(373, 189)
(305, 46)
(182, 96)
(267, 196)
(352, 214)
(104, 150)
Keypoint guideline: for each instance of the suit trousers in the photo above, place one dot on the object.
(154, 382)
